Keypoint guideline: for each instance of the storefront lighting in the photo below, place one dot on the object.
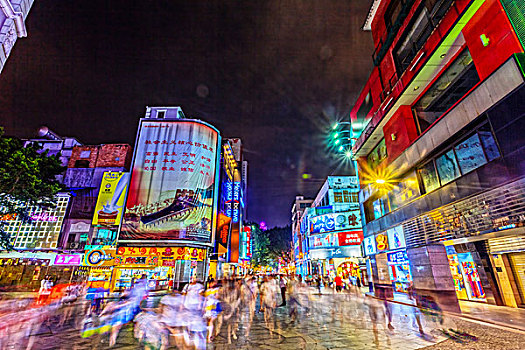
(380, 181)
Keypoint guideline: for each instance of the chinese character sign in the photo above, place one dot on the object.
(248, 232)
(172, 189)
(349, 220)
(350, 237)
(108, 210)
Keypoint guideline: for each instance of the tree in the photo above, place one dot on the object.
(27, 179)
(261, 243)
(280, 243)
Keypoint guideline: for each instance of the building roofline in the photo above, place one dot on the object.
(371, 15)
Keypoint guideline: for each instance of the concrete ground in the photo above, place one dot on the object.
(332, 322)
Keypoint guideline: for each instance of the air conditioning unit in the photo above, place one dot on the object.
(74, 245)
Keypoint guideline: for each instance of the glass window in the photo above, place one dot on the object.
(447, 167)
(489, 144)
(377, 155)
(429, 177)
(338, 197)
(470, 154)
(346, 197)
(449, 88)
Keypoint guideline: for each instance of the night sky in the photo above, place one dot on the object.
(274, 73)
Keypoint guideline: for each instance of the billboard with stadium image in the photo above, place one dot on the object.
(173, 186)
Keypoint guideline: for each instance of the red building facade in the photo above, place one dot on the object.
(440, 157)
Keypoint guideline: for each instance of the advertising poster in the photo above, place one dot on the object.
(349, 220)
(396, 237)
(222, 237)
(172, 189)
(111, 196)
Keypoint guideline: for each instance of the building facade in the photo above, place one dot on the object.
(328, 233)
(440, 154)
(13, 14)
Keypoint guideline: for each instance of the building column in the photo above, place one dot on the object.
(431, 275)
(382, 284)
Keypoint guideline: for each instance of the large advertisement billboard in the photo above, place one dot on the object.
(108, 210)
(172, 192)
(349, 220)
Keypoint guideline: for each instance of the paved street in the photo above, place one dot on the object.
(332, 324)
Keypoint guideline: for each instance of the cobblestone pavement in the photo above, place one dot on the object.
(331, 323)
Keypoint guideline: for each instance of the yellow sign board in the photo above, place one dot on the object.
(108, 210)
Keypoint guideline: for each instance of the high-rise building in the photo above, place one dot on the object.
(441, 150)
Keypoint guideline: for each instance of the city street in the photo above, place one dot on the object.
(348, 327)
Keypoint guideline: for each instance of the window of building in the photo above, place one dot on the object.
(429, 177)
(489, 144)
(449, 88)
(85, 154)
(418, 32)
(403, 192)
(465, 156)
(470, 154)
(447, 167)
(338, 197)
(377, 155)
(365, 107)
(81, 163)
(347, 198)
(392, 12)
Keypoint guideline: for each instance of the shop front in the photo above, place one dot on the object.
(507, 255)
(399, 269)
(163, 267)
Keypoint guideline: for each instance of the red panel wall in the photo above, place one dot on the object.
(400, 132)
(492, 21)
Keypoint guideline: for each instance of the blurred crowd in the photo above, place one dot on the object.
(195, 316)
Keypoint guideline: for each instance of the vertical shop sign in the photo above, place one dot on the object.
(236, 201)
(381, 242)
(248, 232)
(369, 245)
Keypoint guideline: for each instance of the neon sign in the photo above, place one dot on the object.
(44, 217)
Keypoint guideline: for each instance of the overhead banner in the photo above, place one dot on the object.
(349, 220)
(111, 196)
(173, 182)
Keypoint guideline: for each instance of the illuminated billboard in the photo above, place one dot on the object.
(172, 192)
(324, 240)
(349, 220)
(108, 210)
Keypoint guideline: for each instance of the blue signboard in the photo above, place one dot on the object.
(399, 257)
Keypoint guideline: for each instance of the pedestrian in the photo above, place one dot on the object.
(338, 283)
(282, 285)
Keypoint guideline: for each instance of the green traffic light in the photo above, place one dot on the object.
(337, 142)
(336, 135)
(341, 148)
